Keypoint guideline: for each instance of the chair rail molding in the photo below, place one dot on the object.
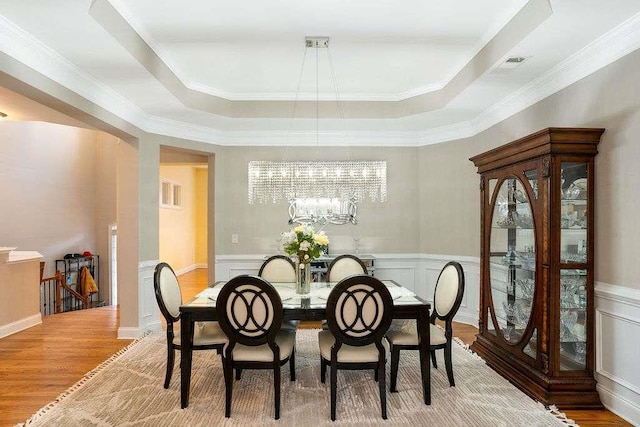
(617, 323)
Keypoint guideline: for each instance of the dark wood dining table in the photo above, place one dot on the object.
(406, 305)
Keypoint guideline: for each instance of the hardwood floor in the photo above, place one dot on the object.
(38, 364)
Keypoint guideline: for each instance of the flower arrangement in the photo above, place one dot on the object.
(304, 243)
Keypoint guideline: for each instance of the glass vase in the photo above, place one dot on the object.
(303, 278)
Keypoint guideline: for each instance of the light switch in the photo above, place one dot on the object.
(234, 238)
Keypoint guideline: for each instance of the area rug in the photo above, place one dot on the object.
(127, 390)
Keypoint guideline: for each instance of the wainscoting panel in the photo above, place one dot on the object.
(617, 348)
(148, 311)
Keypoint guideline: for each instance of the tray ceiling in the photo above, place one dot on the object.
(408, 73)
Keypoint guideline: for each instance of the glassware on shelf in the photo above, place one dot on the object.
(524, 221)
(513, 314)
(568, 319)
(510, 221)
(582, 296)
(520, 196)
(571, 193)
(510, 256)
(507, 331)
(527, 259)
(573, 257)
(527, 286)
(579, 332)
(581, 351)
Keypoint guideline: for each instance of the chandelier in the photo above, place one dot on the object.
(318, 191)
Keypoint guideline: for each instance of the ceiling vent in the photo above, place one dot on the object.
(513, 61)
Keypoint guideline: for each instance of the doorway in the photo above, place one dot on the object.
(183, 202)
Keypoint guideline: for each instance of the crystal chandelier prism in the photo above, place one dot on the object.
(357, 180)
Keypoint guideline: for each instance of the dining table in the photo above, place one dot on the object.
(312, 306)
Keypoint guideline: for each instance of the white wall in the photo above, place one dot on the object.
(50, 183)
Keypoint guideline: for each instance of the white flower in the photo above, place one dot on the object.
(321, 239)
(304, 245)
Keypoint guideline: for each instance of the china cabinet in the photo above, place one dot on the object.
(536, 324)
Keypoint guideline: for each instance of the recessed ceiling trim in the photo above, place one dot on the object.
(122, 27)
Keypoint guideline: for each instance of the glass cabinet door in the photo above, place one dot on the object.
(513, 260)
(573, 259)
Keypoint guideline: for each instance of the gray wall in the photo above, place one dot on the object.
(391, 227)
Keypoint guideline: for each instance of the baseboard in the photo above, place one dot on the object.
(186, 270)
(128, 333)
(20, 325)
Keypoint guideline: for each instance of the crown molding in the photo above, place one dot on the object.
(26, 49)
(603, 51)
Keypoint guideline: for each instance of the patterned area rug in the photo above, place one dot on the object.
(127, 390)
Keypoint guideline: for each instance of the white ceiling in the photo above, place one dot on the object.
(409, 72)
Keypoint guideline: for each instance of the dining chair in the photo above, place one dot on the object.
(359, 312)
(345, 265)
(280, 268)
(250, 313)
(446, 301)
(206, 336)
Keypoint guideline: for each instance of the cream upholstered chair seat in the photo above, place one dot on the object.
(348, 353)
(286, 341)
(204, 333)
(446, 301)
(403, 337)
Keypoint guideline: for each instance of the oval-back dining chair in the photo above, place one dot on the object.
(359, 312)
(250, 313)
(279, 269)
(206, 336)
(446, 301)
(345, 265)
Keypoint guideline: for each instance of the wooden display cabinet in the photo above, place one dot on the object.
(536, 325)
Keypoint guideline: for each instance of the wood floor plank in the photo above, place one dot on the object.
(38, 364)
